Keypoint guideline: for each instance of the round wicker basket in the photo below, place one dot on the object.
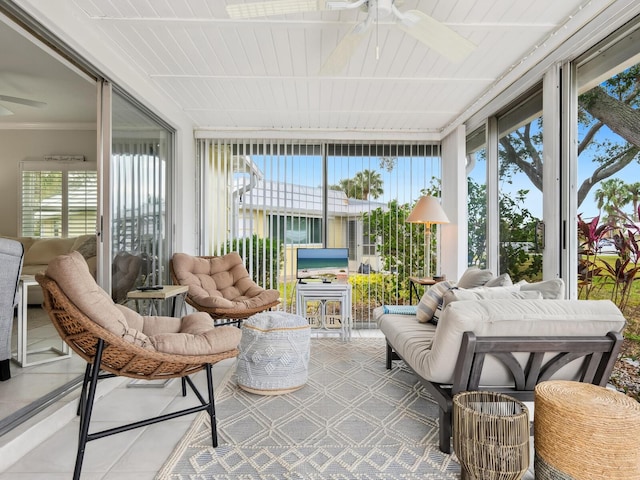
(583, 431)
(490, 436)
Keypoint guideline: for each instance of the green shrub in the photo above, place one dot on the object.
(262, 258)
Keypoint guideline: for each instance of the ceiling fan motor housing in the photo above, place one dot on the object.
(381, 8)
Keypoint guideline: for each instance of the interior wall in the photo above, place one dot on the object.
(24, 145)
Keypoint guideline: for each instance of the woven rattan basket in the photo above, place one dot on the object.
(490, 436)
(583, 431)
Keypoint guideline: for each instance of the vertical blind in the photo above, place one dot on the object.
(267, 198)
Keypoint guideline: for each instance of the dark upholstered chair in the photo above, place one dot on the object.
(11, 256)
(221, 286)
(125, 270)
(117, 340)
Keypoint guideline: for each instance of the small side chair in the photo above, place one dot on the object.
(117, 340)
(11, 256)
(221, 286)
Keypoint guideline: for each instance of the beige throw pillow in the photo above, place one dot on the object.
(474, 277)
(430, 300)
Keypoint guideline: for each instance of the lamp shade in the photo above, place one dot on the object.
(428, 210)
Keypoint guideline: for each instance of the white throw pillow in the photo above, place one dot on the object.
(551, 289)
(503, 280)
(474, 277)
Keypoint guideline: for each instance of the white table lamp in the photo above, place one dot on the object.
(427, 211)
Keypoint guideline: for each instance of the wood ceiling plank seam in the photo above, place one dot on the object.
(271, 60)
(127, 9)
(92, 8)
(233, 39)
(299, 49)
(154, 42)
(122, 40)
(185, 51)
(203, 55)
(181, 8)
(251, 46)
(409, 53)
(219, 50)
(441, 11)
(163, 8)
(201, 8)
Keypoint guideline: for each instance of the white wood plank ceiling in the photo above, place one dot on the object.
(264, 73)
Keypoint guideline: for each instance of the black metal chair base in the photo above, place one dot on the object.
(5, 371)
(87, 396)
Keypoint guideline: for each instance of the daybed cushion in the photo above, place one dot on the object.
(550, 289)
(191, 335)
(221, 282)
(488, 293)
(474, 277)
(432, 352)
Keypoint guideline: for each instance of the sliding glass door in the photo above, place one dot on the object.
(140, 162)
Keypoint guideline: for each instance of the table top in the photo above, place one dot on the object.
(28, 279)
(323, 286)
(167, 291)
(423, 280)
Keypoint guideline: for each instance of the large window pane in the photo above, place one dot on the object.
(520, 169)
(141, 154)
(266, 200)
(609, 186)
(476, 149)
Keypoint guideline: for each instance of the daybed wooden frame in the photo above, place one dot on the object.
(599, 354)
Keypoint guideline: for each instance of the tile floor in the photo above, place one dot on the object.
(137, 454)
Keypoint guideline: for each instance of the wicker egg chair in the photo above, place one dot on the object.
(118, 355)
(221, 286)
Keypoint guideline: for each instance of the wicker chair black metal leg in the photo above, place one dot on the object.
(85, 415)
(212, 408)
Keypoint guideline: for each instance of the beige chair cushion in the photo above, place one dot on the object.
(44, 250)
(220, 282)
(191, 335)
(72, 275)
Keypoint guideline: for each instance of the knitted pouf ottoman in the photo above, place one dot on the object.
(274, 353)
(585, 432)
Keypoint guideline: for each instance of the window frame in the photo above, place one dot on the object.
(65, 167)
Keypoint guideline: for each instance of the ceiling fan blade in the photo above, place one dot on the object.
(5, 112)
(274, 7)
(435, 35)
(22, 101)
(340, 56)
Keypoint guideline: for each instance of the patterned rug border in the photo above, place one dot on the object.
(445, 466)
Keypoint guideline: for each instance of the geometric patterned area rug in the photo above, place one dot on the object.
(354, 419)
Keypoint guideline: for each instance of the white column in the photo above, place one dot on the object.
(454, 236)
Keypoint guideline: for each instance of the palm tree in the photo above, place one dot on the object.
(634, 191)
(364, 184)
(611, 197)
(369, 183)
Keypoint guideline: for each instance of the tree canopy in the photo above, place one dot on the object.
(613, 105)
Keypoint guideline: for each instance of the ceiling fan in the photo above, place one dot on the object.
(419, 25)
(21, 101)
